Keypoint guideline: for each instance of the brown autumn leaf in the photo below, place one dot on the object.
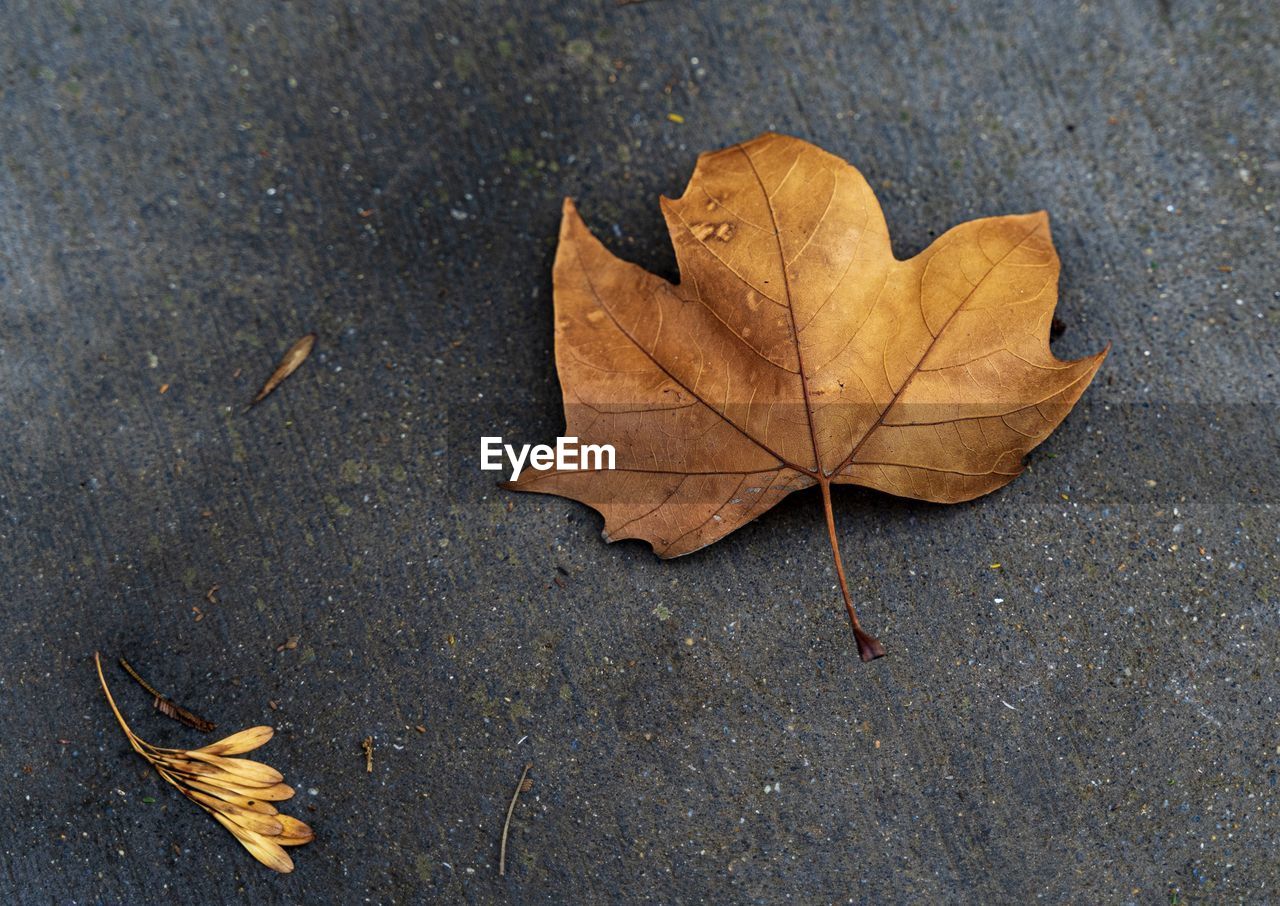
(796, 350)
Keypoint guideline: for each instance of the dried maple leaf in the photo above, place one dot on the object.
(796, 350)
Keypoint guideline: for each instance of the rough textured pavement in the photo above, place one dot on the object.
(186, 188)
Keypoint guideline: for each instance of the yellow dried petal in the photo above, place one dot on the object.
(210, 772)
(236, 785)
(268, 853)
(249, 801)
(294, 833)
(253, 771)
(239, 743)
(246, 818)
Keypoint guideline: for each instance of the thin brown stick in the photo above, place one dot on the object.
(521, 786)
(869, 647)
(367, 745)
(168, 707)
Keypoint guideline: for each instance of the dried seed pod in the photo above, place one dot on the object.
(237, 792)
(239, 743)
(289, 362)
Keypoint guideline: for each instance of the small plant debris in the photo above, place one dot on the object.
(237, 792)
(522, 786)
(367, 745)
(167, 706)
(289, 362)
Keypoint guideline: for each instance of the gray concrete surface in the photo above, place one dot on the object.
(186, 188)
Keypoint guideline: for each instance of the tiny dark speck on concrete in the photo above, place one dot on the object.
(186, 188)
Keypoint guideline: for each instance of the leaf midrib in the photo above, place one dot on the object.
(791, 313)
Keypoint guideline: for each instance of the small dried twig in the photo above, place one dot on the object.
(237, 792)
(289, 362)
(367, 745)
(522, 786)
(168, 707)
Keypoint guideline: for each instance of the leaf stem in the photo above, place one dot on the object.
(869, 647)
(133, 740)
(506, 825)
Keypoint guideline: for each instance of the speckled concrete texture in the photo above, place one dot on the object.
(1080, 702)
